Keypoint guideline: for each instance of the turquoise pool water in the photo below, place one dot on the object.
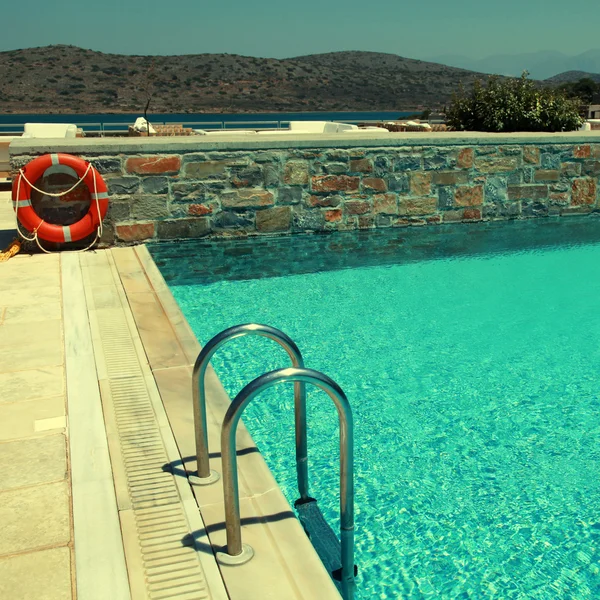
(474, 382)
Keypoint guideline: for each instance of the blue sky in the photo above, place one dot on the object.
(269, 28)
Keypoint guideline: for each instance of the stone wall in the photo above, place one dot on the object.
(181, 192)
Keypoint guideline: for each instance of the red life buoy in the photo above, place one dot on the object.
(33, 172)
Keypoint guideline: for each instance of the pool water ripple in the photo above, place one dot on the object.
(474, 385)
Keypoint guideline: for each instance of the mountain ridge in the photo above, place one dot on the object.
(63, 79)
(543, 64)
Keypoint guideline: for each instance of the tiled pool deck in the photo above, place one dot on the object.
(95, 417)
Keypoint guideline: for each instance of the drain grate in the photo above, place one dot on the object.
(171, 567)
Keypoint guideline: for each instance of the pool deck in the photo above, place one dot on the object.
(96, 443)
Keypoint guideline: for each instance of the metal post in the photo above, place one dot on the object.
(205, 475)
(238, 553)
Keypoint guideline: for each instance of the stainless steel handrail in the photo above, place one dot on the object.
(199, 400)
(235, 548)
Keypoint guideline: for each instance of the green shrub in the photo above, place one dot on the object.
(512, 105)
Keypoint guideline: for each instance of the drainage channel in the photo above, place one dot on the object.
(164, 561)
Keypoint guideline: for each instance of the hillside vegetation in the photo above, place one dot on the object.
(69, 79)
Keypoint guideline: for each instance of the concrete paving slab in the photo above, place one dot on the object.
(33, 461)
(37, 575)
(42, 295)
(18, 276)
(18, 354)
(31, 313)
(33, 335)
(159, 339)
(44, 382)
(19, 419)
(96, 525)
(27, 520)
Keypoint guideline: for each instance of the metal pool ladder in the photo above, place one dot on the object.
(338, 558)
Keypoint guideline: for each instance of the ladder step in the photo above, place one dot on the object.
(323, 538)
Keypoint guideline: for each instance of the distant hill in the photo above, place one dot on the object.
(65, 79)
(541, 65)
(570, 76)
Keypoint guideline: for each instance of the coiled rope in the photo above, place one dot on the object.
(35, 237)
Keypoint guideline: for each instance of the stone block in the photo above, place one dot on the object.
(383, 166)
(335, 183)
(385, 204)
(135, 232)
(105, 165)
(265, 157)
(337, 155)
(230, 220)
(434, 160)
(408, 163)
(333, 216)
(527, 192)
(376, 184)
(508, 210)
(445, 197)
(357, 207)
(311, 220)
(247, 199)
(583, 191)
(335, 168)
(296, 172)
(361, 165)
(182, 228)
(465, 158)
(496, 164)
(324, 201)
(595, 150)
(531, 155)
(550, 161)
(469, 196)
(366, 222)
(450, 177)
(251, 176)
(154, 165)
(210, 169)
(183, 191)
(453, 216)
(546, 175)
(510, 150)
(273, 219)
(496, 190)
(570, 169)
(471, 214)
(534, 208)
(155, 185)
(271, 175)
(200, 210)
(150, 208)
(119, 210)
(420, 183)
(591, 168)
(383, 220)
(122, 185)
(289, 195)
(582, 151)
(399, 183)
(417, 206)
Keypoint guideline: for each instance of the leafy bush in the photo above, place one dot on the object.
(512, 105)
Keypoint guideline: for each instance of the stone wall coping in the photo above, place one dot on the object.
(153, 145)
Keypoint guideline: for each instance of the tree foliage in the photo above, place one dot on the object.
(586, 89)
(503, 105)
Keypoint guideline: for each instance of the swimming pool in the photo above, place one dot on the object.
(471, 358)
